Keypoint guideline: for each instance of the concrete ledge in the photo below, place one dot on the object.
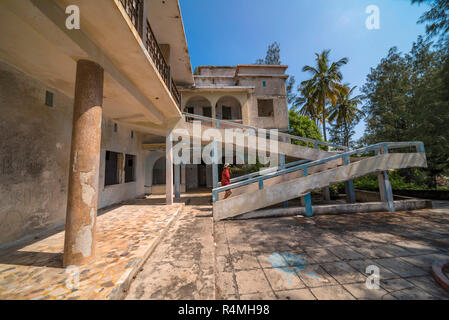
(371, 196)
(438, 274)
(366, 207)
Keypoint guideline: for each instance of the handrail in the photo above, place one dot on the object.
(279, 134)
(266, 171)
(134, 9)
(382, 147)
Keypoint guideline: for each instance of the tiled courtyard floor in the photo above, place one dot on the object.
(125, 237)
(326, 257)
(182, 266)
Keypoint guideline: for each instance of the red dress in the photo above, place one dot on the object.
(225, 178)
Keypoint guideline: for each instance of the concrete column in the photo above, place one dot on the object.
(386, 191)
(82, 200)
(169, 169)
(326, 193)
(177, 182)
(282, 166)
(349, 186)
(380, 179)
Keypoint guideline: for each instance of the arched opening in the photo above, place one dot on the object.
(229, 108)
(200, 106)
(159, 172)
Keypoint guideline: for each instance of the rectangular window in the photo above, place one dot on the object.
(265, 107)
(130, 164)
(111, 176)
(49, 98)
(227, 113)
(207, 112)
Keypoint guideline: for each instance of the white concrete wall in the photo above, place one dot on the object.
(120, 142)
(35, 145)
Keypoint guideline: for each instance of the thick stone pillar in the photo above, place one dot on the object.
(169, 170)
(79, 245)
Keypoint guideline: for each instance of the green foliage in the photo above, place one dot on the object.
(273, 56)
(346, 115)
(370, 183)
(321, 89)
(437, 17)
(407, 99)
(303, 126)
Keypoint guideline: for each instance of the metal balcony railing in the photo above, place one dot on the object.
(134, 8)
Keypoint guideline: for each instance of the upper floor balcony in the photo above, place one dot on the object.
(135, 10)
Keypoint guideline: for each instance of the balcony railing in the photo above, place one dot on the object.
(134, 8)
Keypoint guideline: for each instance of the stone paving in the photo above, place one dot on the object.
(326, 257)
(182, 266)
(126, 236)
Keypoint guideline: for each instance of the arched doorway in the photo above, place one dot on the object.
(159, 172)
(229, 108)
(200, 106)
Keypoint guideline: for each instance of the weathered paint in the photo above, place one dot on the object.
(79, 244)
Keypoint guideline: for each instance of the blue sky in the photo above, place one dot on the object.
(230, 32)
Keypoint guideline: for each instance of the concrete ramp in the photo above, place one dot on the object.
(301, 186)
(186, 131)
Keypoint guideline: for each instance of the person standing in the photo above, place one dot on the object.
(226, 179)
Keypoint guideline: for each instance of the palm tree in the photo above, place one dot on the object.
(325, 83)
(305, 104)
(345, 112)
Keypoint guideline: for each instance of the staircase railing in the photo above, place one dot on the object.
(218, 122)
(383, 148)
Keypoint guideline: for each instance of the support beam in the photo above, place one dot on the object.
(282, 166)
(326, 193)
(386, 190)
(177, 182)
(169, 169)
(349, 185)
(82, 200)
(308, 199)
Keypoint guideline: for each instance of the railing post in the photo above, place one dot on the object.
(349, 186)
(308, 199)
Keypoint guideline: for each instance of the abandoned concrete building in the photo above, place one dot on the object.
(87, 116)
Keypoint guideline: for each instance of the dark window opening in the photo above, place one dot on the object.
(111, 172)
(190, 110)
(265, 107)
(132, 134)
(130, 164)
(207, 112)
(49, 98)
(159, 172)
(227, 113)
(264, 83)
(115, 127)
